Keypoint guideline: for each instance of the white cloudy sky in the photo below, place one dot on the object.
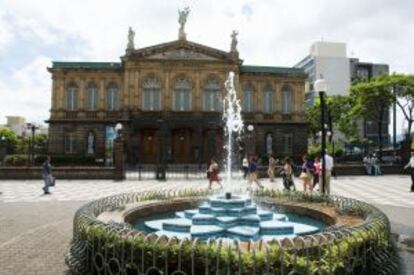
(272, 32)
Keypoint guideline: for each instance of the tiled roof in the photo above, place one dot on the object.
(272, 70)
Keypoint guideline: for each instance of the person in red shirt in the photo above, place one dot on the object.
(213, 174)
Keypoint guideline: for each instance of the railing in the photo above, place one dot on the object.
(172, 171)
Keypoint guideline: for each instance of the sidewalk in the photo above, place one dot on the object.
(36, 230)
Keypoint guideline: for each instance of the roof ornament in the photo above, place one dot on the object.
(182, 19)
(130, 45)
(233, 46)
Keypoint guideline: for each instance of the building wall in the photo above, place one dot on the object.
(196, 123)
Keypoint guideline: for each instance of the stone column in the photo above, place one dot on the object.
(198, 96)
(101, 94)
(166, 93)
(61, 94)
(119, 159)
(82, 97)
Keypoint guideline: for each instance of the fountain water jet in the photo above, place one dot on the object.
(233, 122)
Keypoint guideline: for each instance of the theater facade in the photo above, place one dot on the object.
(168, 99)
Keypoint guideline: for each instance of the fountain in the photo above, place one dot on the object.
(228, 233)
(228, 216)
(233, 122)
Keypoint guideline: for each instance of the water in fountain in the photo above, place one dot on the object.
(233, 122)
(231, 217)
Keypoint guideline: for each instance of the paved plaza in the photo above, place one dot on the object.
(35, 230)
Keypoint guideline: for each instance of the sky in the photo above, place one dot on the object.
(271, 32)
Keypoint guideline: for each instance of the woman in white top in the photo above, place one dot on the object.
(411, 165)
(245, 167)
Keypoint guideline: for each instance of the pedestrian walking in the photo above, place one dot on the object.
(271, 169)
(329, 165)
(213, 174)
(410, 165)
(47, 175)
(245, 167)
(306, 174)
(287, 174)
(253, 177)
(317, 173)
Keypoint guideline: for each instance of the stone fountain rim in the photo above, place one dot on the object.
(131, 212)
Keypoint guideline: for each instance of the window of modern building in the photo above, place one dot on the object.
(287, 143)
(72, 97)
(69, 143)
(267, 99)
(182, 95)
(286, 100)
(112, 97)
(152, 95)
(212, 97)
(92, 96)
(248, 100)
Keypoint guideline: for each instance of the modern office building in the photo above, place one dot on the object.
(168, 98)
(363, 71)
(330, 60)
(17, 124)
(327, 59)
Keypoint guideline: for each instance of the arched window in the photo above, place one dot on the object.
(211, 98)
(248, 103)
(286, 100)
(152, 95)
(267, 99)
(112, 97)
(182, 95)
(72, 97)
(92, 96)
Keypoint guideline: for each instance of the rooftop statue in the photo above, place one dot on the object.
(182, 19)
(131, 35)
(233, 47)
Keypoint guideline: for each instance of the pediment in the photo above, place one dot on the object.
(182, 54)
(181, 50)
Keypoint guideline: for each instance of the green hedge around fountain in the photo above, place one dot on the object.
(116, 248)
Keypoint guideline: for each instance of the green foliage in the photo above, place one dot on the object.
(339, 116)
(10, 139)
(16, 160)
(329, 256)
(24, 144)
(315, 149)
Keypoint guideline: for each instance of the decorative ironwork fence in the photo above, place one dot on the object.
(172, 171)
(117, 248)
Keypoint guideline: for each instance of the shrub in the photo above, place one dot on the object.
(16, 160)
(360, 249)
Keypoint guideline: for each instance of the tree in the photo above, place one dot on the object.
(403, 86)
(338, 116)
(373, 99)
(10, 139)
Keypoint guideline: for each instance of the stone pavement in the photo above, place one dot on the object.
(35, 230)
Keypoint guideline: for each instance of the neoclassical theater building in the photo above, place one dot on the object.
(168, 99)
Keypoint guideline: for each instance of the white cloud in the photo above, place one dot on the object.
(26, 92)
(271, 32)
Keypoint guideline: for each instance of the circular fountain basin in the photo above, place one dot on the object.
(235, 217)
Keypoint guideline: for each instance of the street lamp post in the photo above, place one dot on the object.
(321, 87)
(250, 129)
(3, 148)
(32, 127)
